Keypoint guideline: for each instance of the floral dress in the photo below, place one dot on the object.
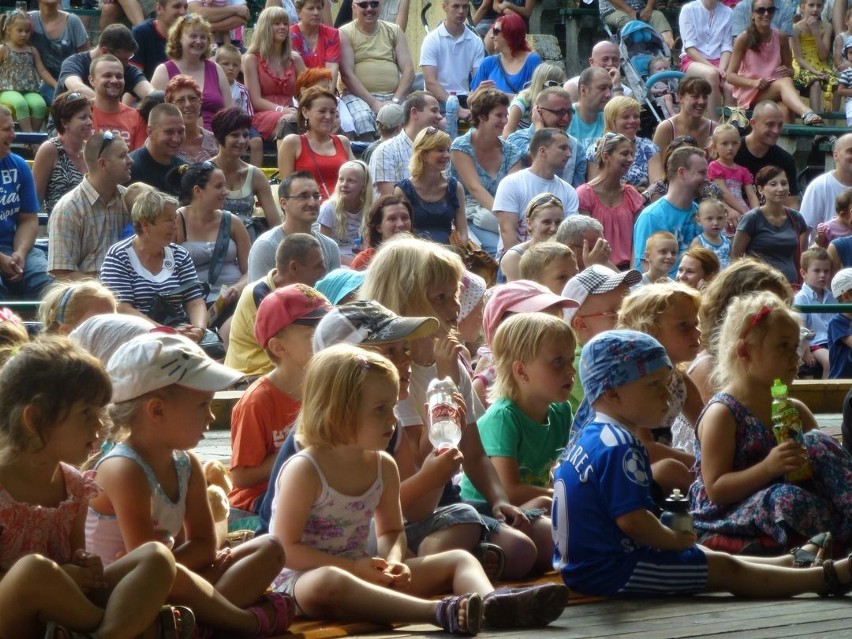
(780, 509)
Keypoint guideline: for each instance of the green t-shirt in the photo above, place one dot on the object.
(507, 432)
(577, 393)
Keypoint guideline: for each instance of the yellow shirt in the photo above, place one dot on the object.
(244, 354)
(375, 56)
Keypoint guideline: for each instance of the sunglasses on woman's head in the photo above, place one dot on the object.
(765, 10)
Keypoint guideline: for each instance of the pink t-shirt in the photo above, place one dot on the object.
(735, 178)
(617, 222)
(833, 229)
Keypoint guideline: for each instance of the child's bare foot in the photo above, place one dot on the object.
(460, 614)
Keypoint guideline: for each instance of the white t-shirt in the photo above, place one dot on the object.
(707, 31)
(411, 410)
(818, 201)
(456, 59)
(515, 191)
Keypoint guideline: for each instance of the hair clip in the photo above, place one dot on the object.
(363, 362)
(8, 315)
(756, 319)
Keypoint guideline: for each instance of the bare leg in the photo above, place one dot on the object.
(542, 536)
(36, 590)
(822, 358)
(453, 571)
(209, 606)
(25, 124)
(255, 146)
(711, 74)
(520, 551)
(670, 474)
(110, 14)
(139, 582)
(782, 89)
(461, 536)
(749, 579)
(815, 94)
(256, 564)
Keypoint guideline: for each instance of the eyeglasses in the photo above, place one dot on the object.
(188, 99)
(108, 137)
(306, 196)
(496, 31)
(559, 113)
(683, 140)
(372, 4)
(765, 10)
(552, 83)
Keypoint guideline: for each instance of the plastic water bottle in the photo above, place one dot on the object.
(444, 430)
(452, 114)
(676, 516)
(787, 425)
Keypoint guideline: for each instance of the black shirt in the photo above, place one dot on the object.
(146, 169)
(776, 156)
(79, 65)
(152, 47)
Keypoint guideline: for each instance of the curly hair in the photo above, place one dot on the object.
(483, 102)
(179, 83)
(174, 49)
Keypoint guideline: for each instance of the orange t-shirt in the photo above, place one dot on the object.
(127, 123)
(260, 422)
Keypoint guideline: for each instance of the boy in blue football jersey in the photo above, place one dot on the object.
(606, 539)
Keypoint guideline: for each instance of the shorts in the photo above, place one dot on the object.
(443, 517)
(666, 572)
(686, 61)
(492, 524)
(817, 347)
(253, 133)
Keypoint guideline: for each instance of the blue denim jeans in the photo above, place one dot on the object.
(35, 277)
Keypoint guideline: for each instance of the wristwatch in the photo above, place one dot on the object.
(396, 100)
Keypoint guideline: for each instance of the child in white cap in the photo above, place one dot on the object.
(840, 328)
(154, 489)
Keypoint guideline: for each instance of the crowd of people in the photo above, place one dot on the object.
(612, 309)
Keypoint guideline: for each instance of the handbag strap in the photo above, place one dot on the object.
(220, 251)
(505, 76)
(797, 260)
(320, 181)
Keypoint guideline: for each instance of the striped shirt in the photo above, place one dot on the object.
(133, 284)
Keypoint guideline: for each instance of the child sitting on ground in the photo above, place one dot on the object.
(163, 386)
(838, 226)
(661, 250)
(816, 272)
(840, 328)
(342, 475)
(741, 487)
(525, 429)
(669, 313)
(52, 395)
(664, 91)
(599, 291)
(712, 217)
(65, 305)
(264, 415)
(616, 547)
(551, 264)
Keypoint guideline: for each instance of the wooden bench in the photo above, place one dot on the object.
(821, 395)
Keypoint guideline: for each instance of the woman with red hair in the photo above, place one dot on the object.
(185, 94)
(513, 64)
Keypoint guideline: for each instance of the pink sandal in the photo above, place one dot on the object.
(285, 611)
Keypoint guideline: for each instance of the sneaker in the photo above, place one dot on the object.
(530, 607)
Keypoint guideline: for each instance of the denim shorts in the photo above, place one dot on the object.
(443, 517)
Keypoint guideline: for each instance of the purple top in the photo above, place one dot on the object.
(211, 96)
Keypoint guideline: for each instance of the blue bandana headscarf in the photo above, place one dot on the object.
(613, 359)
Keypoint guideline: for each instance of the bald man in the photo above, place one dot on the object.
(818, 201)
(760, 147)
(604, 56)
(587, 125)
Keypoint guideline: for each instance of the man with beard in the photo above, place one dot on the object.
(108, 113)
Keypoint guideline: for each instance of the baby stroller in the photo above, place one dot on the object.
(639, 44)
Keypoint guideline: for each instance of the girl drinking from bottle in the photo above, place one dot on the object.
(741, 488)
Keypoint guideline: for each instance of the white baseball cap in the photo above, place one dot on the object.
(156, 360)
(841, 282)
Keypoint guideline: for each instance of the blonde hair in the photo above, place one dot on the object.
(616, 107)
(539, 256)
(401, 271)
(607, 144)
(262, 42)
(711, 202)
(746, 323)
(134, 191)
(174, 49)
(717, 133)
(643, 309)
(427, 140)
(148, 206)
(659, 236)
(366, 200)
(65, 303)
(333, 394)
(13, 334)
(746, 275)
(545, 72)
(519, 338)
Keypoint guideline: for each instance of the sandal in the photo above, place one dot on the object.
(812, 118)
(447, 614)
(284, 609)
(530, 607)
(492, 558)
(57, 631)
(170, 617)
(806, 559)
(836, 588)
